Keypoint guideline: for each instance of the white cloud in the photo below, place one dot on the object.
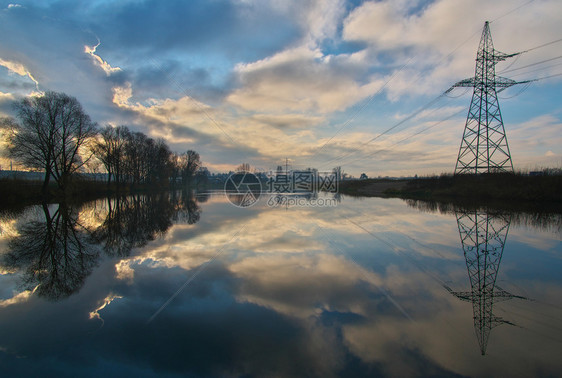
(18, 298)
(322, 19)
(184, 110)
(106, 302)
(436, 36)
(536, 142)
(18, 69)
(105, 66)
(301, 80)
(6, 96)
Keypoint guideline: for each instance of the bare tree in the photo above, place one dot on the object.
(160, 167)
(189, 165)
(135, 155)
(51, 135)
(110, 150)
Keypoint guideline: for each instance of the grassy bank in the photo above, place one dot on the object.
(373, 187)
(18, 193)
(465, 188)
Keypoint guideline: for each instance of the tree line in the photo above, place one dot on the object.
(53, 133)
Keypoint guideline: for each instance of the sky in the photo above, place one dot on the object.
(320, 83)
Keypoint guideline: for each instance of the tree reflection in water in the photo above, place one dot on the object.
(186, 206)
(56, 252)
(133, 221)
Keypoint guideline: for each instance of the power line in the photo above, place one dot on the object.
(412, 115)
(547, 77)
(344, 156)
(410, 136)
(537, 70)
(525, 87)
(513, 10)
(543, 45)
(364, 105)
(531, 65)
(418, 76)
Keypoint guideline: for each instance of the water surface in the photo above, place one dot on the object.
(183, 285)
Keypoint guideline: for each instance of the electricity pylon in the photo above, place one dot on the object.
(483, 238)
(484, 147)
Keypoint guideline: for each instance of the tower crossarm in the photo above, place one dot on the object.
(470, 82)
(503, 295)
(498, 82)
(504, 82)
(498, 56)
(466, 296)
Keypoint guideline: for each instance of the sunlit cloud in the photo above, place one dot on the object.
(437, 35)
(302, 285)
(6, 96)
(105, 66)
(16, 299)
(19, 69)
(95, 314)
(277, 80)
(301, 80)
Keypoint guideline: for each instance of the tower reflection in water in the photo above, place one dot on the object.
(483, 235)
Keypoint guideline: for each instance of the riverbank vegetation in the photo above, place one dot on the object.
(52, 134)
(544, 188)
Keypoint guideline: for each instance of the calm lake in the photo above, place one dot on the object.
(191, 285)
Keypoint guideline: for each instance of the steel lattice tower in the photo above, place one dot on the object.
(484, 147)
(483, 238)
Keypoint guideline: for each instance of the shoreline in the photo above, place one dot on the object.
(542, 193)
(17, 194)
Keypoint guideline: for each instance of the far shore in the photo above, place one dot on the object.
(541, 192)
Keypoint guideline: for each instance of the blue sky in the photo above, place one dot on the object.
(259, 81)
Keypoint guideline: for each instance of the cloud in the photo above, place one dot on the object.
(536, 142)
(223, 29)
(279, 78)
(16, 299)
(106, 302)
(435, 36)
(106, 67)
(288, 121)
(6, 96)
(18, 69)
(301, 80)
